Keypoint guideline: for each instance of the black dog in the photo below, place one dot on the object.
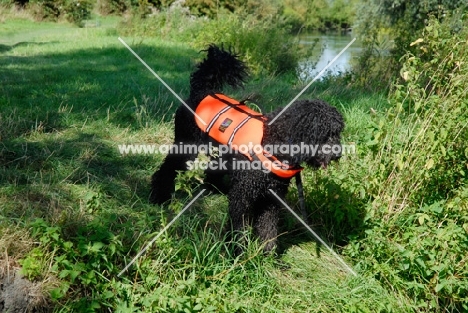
(306, 123)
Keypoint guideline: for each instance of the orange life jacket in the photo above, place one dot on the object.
(232, 123)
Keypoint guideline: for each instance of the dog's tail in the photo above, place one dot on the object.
(220, 68)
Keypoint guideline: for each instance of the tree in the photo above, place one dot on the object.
(416, 12)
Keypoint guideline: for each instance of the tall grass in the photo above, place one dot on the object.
(417, 179)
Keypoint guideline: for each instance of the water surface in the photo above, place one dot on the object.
(328, 46)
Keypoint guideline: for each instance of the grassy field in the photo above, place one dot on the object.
(74, 212)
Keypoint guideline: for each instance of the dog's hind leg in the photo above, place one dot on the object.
(240, 210)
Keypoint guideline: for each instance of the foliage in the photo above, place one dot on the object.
(417, 229)
(75, 11)
(415, 13)
(296, 14)
(188, 181)
(397, 22)
(320, 14)
(173, 22)
(191, 278)
(420, 251)
(264, 44)
(211, 8)
(431, 97)
(83, 260)
(116, 6)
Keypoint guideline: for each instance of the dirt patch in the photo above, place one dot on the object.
(19, 295)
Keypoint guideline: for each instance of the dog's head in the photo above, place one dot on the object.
(312, 128)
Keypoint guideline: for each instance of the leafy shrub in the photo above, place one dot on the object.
(75, 11)
(82, 262)
(421, 252)
(415, 13)
(416, 237)
(45, 9)
(115, 6)
(174, 22)
(431, 96)
(265, 45)
(397, 23)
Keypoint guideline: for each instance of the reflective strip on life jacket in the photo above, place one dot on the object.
(227, 124)
(234, 124)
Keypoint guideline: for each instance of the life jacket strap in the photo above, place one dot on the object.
(235, 106)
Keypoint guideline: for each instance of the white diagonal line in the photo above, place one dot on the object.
(315, 235)
(161, 232)
(162, 81)
(313, 80)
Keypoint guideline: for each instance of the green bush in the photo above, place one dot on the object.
(174, 23)
(420, 251)
(75, 11)
(116, 6)
(431, 97)
(416, 236)
(396, 23)
(45, 9)
(265, 46)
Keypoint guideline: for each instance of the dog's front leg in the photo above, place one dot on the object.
(241, 201)
(163, 180)
(185, 139)
(266, 223)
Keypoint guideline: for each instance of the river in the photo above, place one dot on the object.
(329, 45)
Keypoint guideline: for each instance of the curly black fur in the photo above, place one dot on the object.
(218, 69)
(311, 122)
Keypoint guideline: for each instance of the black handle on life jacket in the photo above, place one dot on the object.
(235, 106)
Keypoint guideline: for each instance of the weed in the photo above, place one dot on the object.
(416, 238)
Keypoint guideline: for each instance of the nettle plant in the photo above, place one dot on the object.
(80, 265)
(431, 99)
(416, 238)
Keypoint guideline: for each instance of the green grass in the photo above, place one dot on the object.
(68, 97)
